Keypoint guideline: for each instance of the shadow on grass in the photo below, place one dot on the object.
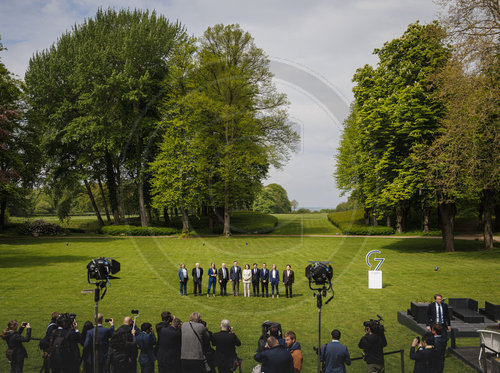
(462, 247)
(20, 241)
(18, 260)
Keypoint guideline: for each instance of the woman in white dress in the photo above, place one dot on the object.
(247, 279)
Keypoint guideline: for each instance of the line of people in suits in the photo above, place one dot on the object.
(259, 278)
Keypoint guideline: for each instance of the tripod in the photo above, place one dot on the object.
(321, 293)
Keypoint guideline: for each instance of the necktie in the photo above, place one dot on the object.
(440, 315)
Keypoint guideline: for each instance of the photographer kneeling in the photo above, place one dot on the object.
(372, 344)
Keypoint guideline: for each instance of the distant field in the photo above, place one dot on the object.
(297, 224)
(41, 275)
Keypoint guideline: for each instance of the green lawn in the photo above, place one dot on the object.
(298, 224)
(41, 275)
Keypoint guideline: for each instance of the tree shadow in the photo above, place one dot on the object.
(21, 241)
(17, 259)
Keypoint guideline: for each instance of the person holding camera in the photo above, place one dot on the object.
(16, 353)
(120, 359)
(169, 348)
(194, 338)
(335, 355)
(426, 356)
(45, 341)
(274, 358)
(65, 353)
(129, 329)
(103, 336)
(225, 343)
(146, 341)
(372, 344)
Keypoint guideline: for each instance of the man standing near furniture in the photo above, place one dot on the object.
(437, 313)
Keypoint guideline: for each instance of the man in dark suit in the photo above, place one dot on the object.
(288, 279)
(275, 358)
(103, 336)
(223, 278)
(255, 279)
(437, 313)
(235, 278)
(426, 357)
(169, 348)
(440, 341)
(225, 343)
(335, 355)
(264, 280)
(197, 274)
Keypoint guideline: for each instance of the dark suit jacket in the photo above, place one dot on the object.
(432, 316)
(288, 280)
(169, 348)
(255, 275)
(235, 273)
(225, 348)
(336, 356)
(196, 278)
(275, 360)
(103, 336)
(264, 275)
(221, 279)
(426, 360)
(15, 342)
(275, 280)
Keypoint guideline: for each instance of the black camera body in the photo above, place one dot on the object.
(378, 327)
(320, 273)
(65, 320)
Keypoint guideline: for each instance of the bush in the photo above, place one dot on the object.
(351, 222)
(130, 230)
(41, 227)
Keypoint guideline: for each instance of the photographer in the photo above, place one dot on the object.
(194, 338)
(146, 341)
(372, 344)
(103, 336)
(426, 357)
(225, 343)
(45, 341)
(16, 353)
(64, 350)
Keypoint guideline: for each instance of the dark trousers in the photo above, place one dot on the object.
(255, 286)
(236, 287)
(288, 288)
(148, 367)
(274, 285)
(183, 287)
(17, 366)
(265, 286)
(223, 285)
(197, 287)
(193, 366)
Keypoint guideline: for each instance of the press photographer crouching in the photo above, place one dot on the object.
(64, 350)
(372, 344)
(16, 353)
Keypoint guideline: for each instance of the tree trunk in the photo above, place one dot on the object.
(166, 217)
(399, 220)
(366, 216)
(374, 220)
(3, 208)
(142, 208)
(227, 216)
(388, 220)
(487, 218)
(185, 220)
(112, 192)
(176, 212)
(497, 218)
(94, 204)
(211, 217)
(425, 220)
(104, 201)
(121, 196)
(447, 213)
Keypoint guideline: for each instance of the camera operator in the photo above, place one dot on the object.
(131, 348)
(45, 341)
(103, 336)
(16, 353)
(64, 350)
(426, 357)
(372, 344)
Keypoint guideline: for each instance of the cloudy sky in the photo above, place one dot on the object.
(315, 47)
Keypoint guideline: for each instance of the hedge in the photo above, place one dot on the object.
(349, 223)
(41, 227)
(130, 230)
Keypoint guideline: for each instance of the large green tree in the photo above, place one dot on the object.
(272, 199)
(94, 93)
(20, 158)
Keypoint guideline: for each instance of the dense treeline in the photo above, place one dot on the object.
(128, 106)
(424, 130)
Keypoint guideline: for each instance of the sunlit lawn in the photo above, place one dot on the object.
(41, 275)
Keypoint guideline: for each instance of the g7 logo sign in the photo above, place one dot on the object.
(379, 260)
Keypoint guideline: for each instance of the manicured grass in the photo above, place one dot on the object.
(41, 275)
(297, 224)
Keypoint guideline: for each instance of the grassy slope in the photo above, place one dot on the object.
(39, 276)
(293, 224)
